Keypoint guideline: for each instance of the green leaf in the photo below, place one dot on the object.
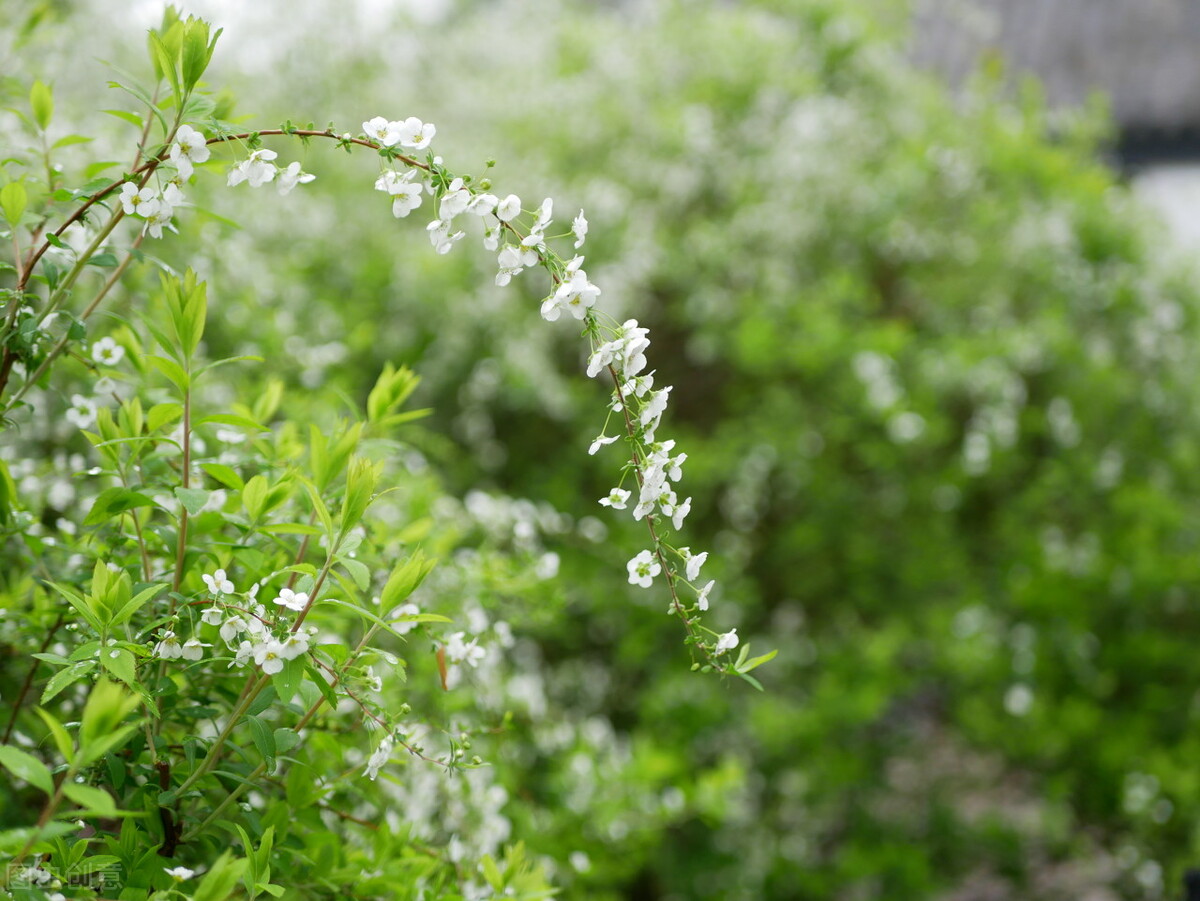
(240, 422)
(70, 140)
(62, 738)
(287, 681)
(121, 664)
(358, 572)
(221, 881)
(41, 101)
(291, 528)
(264, 738)
(224, 474)
(162, 414)
(193, 499)
(285, 740)
(112, 502)
(171, 370)
(745, 666)
(80, 604)
(368, 615)
(132, 118)
(134, 604)
(93, 800)
(405, 579)
(69, 676)
(27, 767)
(106, 260)
(165, 61)
(13, 201)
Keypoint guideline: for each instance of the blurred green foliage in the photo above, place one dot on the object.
(937, 388)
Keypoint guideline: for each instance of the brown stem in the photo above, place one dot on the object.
(29, 680)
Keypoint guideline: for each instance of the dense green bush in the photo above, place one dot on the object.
(938, 391)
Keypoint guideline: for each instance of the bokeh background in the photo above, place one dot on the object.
(936, 372)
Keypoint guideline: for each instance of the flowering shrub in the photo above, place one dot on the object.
(218, 605)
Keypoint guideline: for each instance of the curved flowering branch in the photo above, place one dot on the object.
(618, 349)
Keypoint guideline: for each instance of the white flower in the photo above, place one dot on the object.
(232, 627)
(292, 600)
(404, 610)
(460, 651)
(158, 219)
(693, 562)
(138, 201)
(217, 583)
(509, 262)
(292, 176)
(579, 228)
(379, 758)
(482, 204)
(600, 441)
(179, 874)
(454, 201)
(414, 133)
(245, 651)
(192, 649)
(655, 406)
(727, 642)
(702, 595)
(214, 616)
(491, 238)
(576, 294)
(294, 645)
(508, 208)
(405, 199)
(189, 147)
(544, 213)
(82, 412)
(381, 130)
(107, 352)
(168, 646)
(258, 169)
(270, 656)
(642, 569)
(616, 499)
(679, 513)
(440, 237)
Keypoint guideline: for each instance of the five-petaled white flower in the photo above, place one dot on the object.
(179, 874)
(616, 499)
(141, 201)
(292, 176)
(509, 208)
(414, 133)
(258, 169)
(82, 412)
(693, 561)
(642, 569)
(168, 646)
(727, 642)
(270, 656)
(293, 600)
(192, 649)
(460, 651)
(381, 130)
(702, 595)
(107, 352)
(217, 583)
(294, 645)
(214, 616)
(189, 147)
(379, 758)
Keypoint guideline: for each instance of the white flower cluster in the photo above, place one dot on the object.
(250, 632)
(619, 350)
